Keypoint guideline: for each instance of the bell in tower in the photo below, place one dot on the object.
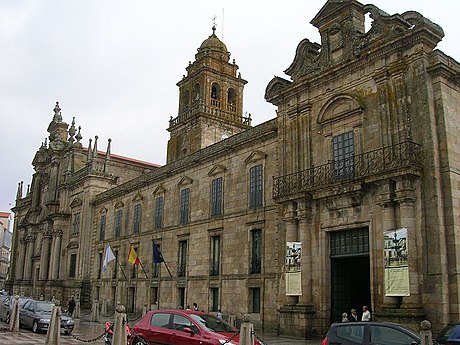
(210, 101)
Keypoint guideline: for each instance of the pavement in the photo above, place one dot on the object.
(87, 332)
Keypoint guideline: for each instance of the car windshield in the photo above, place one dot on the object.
(212, 323)
(45, 307)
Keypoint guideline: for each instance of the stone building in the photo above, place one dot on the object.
(358, 172)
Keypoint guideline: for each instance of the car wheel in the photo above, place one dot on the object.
(139, 341)
(35, 327)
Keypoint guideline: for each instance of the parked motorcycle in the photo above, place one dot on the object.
(108, 333)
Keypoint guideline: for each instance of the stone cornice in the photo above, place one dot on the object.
(253, 135)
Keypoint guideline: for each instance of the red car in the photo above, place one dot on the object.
(184, 327)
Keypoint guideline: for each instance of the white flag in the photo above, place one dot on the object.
(109, 256)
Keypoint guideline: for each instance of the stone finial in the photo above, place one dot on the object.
(57, 113)
(78, 136)
(121, 309)
(425, 325)
(57, 303)
(246, 318)
(107, 156)
(72, 132)
(19, 192)
(95, 146)
(89, 150)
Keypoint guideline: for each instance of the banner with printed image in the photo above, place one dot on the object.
(396, 264)
(293, 268)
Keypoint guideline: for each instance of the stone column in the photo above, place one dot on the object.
(28, 259)
(304, 213)
(387, 204)
(20, 263)
(405, 193)
(44, 259)
(291, 236)
(51, 264)
(56, 254)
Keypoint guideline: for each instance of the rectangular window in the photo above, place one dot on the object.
(256, 251)
(159, 206)
(343, 151)
(256, 186)
(137, 219)
(76, 223)
(182, 259)
(216, 197)
(102, 228)
(115, 269)
(255, 300)
(184, 205)
(99, 269)
(215, 255)
(73, 266)
(214, 302)
(118, 219)
(154, 295)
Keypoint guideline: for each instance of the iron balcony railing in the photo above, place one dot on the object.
(384, 160)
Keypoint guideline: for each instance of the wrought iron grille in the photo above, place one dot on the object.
(256, 265)
(181, 270)
(214, 268)
(386, 159)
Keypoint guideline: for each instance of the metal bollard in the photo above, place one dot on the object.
(14, 317)
(53, 336)
(120, 337)
(426, 337)
(246, 331)
(95, 311)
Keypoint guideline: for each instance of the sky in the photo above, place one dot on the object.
(114, 65)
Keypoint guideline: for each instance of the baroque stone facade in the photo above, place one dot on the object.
(364, 142)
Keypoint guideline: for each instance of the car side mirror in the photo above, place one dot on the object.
(188, 330)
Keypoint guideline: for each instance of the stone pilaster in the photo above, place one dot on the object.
(28, 258)
(305, 229)
(292, 234)
(56, 254)
(44, 259)
(21, 258)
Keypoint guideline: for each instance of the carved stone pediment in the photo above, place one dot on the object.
(159, 190)
(217, 170)
(77, 202)
(305, 60)
(338, 107)
(255, 156)
(73, 245)
(275, 88)
(138, 197)
(119, 204)
(185, 181)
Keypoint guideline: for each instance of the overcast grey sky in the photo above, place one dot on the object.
(114, 65)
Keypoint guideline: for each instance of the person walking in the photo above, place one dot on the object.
(353, 316)
(366, 314)
(195, 306)
(71, 306)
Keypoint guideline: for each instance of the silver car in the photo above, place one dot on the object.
(37, 315)
(6, 306)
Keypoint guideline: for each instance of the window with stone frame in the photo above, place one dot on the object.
(254, 295)
(182, 264)
(115, 266)
(256, 251)
(343, 152)
(159, 212)
(102, 223)
(184, 206)
(76, 223)
(137, 213)
(215, 256)
(216, 197)
(256, 186)
(214, 298)
(118, 222)
(73, 265)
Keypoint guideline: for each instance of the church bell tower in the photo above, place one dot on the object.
(210, 101)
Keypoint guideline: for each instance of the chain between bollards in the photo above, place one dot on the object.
(88, 340)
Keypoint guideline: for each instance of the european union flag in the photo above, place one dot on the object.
(157, 257)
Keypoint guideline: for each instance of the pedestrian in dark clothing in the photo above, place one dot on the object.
(195, 306)
(353, 316)
(71, 306)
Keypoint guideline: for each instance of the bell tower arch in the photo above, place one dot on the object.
(210, 101)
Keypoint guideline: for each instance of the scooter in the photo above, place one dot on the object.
(108, 333)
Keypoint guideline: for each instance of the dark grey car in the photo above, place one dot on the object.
(368, 333)
(37, 315)
(6, 306)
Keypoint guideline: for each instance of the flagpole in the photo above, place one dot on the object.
(124, 275)
(143, 269)
(167, 268)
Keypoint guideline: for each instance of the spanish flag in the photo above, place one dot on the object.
(132, 256)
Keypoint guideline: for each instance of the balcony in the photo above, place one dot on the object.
(387, 160)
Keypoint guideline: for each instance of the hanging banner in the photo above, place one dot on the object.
(396, 264)
(293, 268)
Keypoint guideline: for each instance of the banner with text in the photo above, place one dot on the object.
(293, 268)
(396, 264)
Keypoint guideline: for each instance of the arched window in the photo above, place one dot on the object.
(196, 95)
(185, 100)
(231, 100)
(215, 95)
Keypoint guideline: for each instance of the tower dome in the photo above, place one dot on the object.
(214, 46)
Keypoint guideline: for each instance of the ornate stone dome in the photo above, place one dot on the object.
(213, 45)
